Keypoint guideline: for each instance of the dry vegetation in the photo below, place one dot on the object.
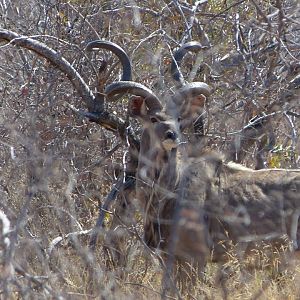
(57, 167)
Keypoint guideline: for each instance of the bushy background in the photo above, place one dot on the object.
(57, 167)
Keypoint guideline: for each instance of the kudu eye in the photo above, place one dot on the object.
(153, 120)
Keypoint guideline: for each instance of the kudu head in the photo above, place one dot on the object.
(162, 126)
(160, 132)
(184, 109)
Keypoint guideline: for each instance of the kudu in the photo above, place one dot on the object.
(196, 206)
(166, 180)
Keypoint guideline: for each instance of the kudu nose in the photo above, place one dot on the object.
(171, 135)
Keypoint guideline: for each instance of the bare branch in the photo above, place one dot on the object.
(99, 116)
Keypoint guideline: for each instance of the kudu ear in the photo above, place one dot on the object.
(137, 107)
(197, 104)
(191, 110)
(198, 101)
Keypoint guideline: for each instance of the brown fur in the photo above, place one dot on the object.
(248, 206)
